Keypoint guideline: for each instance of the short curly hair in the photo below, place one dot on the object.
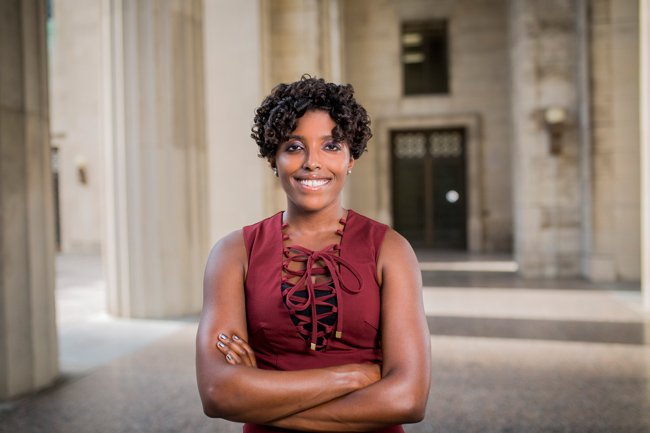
(278, 115)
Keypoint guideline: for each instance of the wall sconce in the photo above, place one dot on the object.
(555, 118)
(80, 162)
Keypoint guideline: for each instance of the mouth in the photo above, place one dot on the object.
(313, 184)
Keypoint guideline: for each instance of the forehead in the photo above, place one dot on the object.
(315, 122)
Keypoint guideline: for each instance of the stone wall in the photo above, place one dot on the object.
(479, 71)
(547, 193)
(75, 105)
(614, 33)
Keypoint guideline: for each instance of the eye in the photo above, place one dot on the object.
(293, 147)
(332, 145)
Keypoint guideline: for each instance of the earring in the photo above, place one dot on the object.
(349, 171)
(275, 171)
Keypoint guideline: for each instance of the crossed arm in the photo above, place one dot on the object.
(352, 397)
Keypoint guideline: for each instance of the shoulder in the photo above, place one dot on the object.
(231, 241)
(265, 222)
(228, 251)
(396, 255)
(370, 228)
(367, 233)
(362, 220)
(395, 245)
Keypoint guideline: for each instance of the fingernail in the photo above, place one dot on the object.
(221, 344)
(235, 337)
(222, 336)
(229, 357)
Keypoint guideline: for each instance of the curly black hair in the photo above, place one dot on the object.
(278, 115)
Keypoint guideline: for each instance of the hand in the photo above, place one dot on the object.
(370, 373)
(236, 351)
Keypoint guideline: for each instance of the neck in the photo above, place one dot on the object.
(313, 221)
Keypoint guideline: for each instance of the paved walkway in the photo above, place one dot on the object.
(509, 355)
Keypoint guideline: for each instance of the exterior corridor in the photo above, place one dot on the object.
(509, 355)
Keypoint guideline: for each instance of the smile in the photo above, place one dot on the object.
(313, 183)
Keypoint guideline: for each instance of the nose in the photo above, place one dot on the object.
(311, 161)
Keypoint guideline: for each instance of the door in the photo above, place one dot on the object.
(429, 194)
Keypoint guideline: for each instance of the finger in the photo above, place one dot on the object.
(241, 352)
(225, 346)
(244, 351)
(233, 359)
(231, 356)
(249, 353)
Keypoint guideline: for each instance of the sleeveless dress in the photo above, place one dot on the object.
(296, 325)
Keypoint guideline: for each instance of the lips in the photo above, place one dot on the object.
(313, 183)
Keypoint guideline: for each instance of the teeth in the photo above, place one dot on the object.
(313, 182)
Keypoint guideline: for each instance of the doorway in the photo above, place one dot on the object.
(429, 187)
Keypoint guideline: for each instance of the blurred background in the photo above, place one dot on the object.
(511, 143)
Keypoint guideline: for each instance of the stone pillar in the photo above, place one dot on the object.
(298, 37)
(644, 54)
(233, 91)
(546, 187)
(156, 240)
(28, 342)
(585, 125)
(616, 179)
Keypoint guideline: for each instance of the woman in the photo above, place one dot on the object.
(313, 318)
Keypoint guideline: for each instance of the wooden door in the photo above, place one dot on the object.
(429, 194)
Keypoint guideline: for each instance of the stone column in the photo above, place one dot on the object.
(546, 186)
(615, 152)
(155, 242)
(644, 55)
(28, 342)
(298, 37)
(233, 91)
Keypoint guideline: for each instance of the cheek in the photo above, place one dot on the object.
(287, 162)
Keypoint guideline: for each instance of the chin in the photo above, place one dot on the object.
(314, 205)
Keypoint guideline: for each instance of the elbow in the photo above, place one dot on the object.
(214, 405)
(210, 403)
(211, 410)
(416, 413)
(412, 410)
(410, 404)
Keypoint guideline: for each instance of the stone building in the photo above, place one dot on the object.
(499, 126)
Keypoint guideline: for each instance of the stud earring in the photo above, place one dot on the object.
(349, 171)
(275, 171)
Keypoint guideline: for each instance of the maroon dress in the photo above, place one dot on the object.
(295, 324)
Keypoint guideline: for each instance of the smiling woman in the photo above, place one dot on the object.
(309, 315)
(312, 167)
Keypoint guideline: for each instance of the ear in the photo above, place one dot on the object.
(272, 162)
(351, 164)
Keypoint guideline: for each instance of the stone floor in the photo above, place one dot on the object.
(509, 355)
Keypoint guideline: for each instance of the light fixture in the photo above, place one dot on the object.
(80, 162)
(555, 118)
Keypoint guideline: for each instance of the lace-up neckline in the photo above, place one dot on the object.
(313, 306)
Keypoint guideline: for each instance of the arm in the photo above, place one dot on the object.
(401, 395)
(245, 394)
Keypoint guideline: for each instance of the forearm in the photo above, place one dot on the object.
(391, 401)
(246, 394)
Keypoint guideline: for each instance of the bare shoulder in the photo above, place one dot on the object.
(230, 248)
(228, 256)
(395, 249)
(396, 256)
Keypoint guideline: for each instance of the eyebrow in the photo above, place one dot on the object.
(300, 137)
